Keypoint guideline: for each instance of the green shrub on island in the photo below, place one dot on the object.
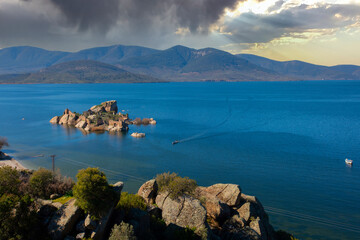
(9, 180)
(93, 192)
(123, 231)
(175, 185)
(128, 201)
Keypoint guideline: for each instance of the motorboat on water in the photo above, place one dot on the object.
(175, 142)
(348, 161)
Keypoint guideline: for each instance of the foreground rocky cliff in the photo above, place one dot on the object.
(220, 211)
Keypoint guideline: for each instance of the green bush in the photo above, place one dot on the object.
(175, 185)
(17, 220)
(9, 180)
(40, 181)
(43, 183)
(128, 201)
(123, 231)
(92, 191)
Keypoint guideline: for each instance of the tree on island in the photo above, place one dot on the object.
(93, 192)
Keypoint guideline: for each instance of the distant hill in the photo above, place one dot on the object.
(306, 71)
(179, 63)
(27, 59)
(83, 71)
(31, 59)
(111, 55)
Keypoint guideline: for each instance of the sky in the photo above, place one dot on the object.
(323, 32)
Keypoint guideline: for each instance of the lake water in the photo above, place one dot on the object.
(284, 142)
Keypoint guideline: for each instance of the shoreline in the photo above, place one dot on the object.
(12, 162)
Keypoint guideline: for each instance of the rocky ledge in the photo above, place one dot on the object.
(220, 211)
(100, 118)
(217, 212)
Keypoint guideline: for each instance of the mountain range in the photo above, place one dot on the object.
(139, 64)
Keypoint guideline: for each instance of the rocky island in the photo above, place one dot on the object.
(100, 118)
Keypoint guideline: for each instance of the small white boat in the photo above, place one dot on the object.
(348, 161)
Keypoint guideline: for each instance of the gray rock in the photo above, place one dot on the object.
(64, 220)
(89, 223)
(80, 236)
(246, 211)
(118, 187)
(184, 211)
(148, 191)
(258, 226)
(253, 208)
(217, 210)
(102, 225)
(227, 193)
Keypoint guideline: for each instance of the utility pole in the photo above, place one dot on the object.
(53, 162)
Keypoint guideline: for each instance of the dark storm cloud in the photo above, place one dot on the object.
(68, 24)
(102, 15)
(255, 28)
(86, 14)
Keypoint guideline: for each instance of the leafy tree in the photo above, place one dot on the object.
(92, 191)
(175, 185)
(17, 220)
(128, 201)
(40, 181)
(9, 180)
(123, 231)
(3, 142)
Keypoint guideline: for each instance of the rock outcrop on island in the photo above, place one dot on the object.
(100, 118)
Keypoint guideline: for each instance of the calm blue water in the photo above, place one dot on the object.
(284, 142)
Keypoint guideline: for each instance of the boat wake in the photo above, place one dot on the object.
(199, 135)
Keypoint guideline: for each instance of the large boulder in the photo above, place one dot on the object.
(81, 124)
(258, 226)
(246, 211)
(138, 135)
(227, 193)
(64, 220)
(64, 119)
(254, 214)
(148, 191)
(110, 106)
(55, 120)
(184, 211)
(217, 210)
(97, 109)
